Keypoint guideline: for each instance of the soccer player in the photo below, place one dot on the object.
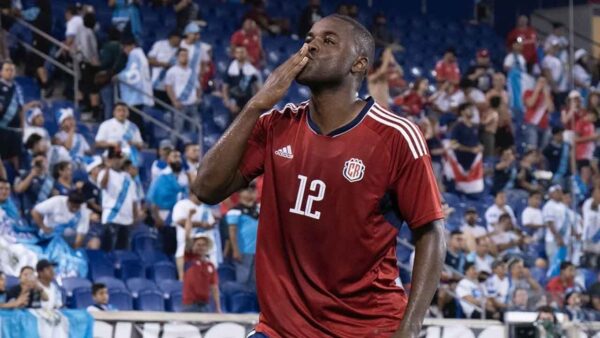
(325, 255)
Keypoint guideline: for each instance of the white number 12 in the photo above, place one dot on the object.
(317, 186)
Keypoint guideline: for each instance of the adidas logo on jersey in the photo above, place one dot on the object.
(285, 152)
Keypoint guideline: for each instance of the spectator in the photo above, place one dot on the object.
(482, 71)
(383, 34)
(89, 187)
(471, 230)
(112, 61)
(591, 228)
(446, 101)
(101, 298)
(593, 313)
(498, 284)
(593, 102)
(455, 256)
(557, 37)
(532, 217)
(12, 109)
(126, 17)
(199, 53)
(515, 59)
(585, 139)
(554, 70)
(505, 172)
(465, 137)
(573, 307)
(498, 88)
(519, 301)
(493, 213)
(6, 202)
(36, 185)
(539, 105)
(241, 82)
(120, 134)
(192, 159)
(526, 179)
(119, 203)
(528, 38)
(34, 124)
(29, 288)
(558, 227)
(73, 26)
(378, 78)
(202, 221)
(243, 227)
(185, 11)
(520, 278)
(582, 78)
(201, 279)
(161, 57)
(135, 83)
(165, 147)
(63, 216)
(249, 36)
(558, 286)
(13, 304)
(471, 94)
(481, 256)
(183, 89)
(310, 14)
(259, 14)
(489, 123)
(342, 9)
(415, 100)
(35, 63)
(573, 111)
(546, 323)
(471, 293)
(90, 61)
(36, 146)
(45, 272)
(69, 138)
(557, 155)
(63, 178)
(506, 238)
(446, 69)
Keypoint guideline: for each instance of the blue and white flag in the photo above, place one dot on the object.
(137, 86)
(518, 82)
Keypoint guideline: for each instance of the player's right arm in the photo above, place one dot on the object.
(218, 174)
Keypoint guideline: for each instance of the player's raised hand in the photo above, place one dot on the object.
(279, 81)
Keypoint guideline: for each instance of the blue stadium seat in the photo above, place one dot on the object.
(111, 283)
(539, 275)
(226, 273)
(174, 302)
(137, 285)
(123, 255)
(151, 257)
(131, 268)
(82, 298)
(589, 276)
(163, 271)
(101, 268)
(144, 242)
(169, 286)
(244, 302)
(72, 283)
(121, 300)
(150, 300)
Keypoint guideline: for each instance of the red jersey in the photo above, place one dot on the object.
(197, 281)
(251, 41)
(529, 37)
(584, 150)
(447, 72)
(537, 114)
(325, 256)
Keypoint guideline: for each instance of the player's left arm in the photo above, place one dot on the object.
(430, 250)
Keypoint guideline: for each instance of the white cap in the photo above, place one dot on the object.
(33, 113)
(93, 163)
(63, 114)
(574, 94)
(580, 53)
(205, 236)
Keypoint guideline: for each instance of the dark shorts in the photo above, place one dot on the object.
(10, 143)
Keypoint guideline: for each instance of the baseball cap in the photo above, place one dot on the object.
(191, 28)
(63, 114)
(579, 54)
(44, 263)
(574, 94)
(483, 53)
(165, 144)
(199, 235)
(92, 163)
(33, 113)
(554, 188)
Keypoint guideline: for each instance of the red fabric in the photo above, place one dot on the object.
(197, 281)
(555, 285)
(529, 37)
(250, 40)
(531, 111)
(412, 102)
(584, 150)
(447, 72)
(334, 275)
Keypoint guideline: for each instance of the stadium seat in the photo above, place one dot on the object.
(226, 273)
(131, 269)
(81, 298)
(151, 257)
(72, 283)
(150, 300)
(243, 302)
(101, 268)
(174, 301)
(138, 285)
(121, 300)
(111, 283)
(162, 271)
(170, 286)
(589, 277)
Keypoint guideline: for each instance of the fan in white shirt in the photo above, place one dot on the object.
(481, 256)
(557, 220)
(199, 52)
(119, 132)
(45, 272)
(591, 223)
(161, 57)
(532, 217)
(65, 216)
(515, 59)
(498, 285)
(554, 70)
(581, 76)
(471, 230)
(470, 292)
(493, 213)
(192, 159)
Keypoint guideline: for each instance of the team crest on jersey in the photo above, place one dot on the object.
(354, 170)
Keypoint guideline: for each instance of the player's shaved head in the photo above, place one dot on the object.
(363, 38)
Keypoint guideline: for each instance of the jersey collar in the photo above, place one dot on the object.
(313, 126)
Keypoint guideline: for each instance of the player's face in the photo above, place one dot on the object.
(332, 52)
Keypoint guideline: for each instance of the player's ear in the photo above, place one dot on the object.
(361, 65)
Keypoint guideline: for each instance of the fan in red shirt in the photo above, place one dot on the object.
(447, 68)
(333, 166)
(558, 286)
(529, 37)
(586, 137)
(539, 104)
(415, 100)
(200, 280)
(249, 37)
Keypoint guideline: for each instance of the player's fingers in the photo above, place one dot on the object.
(296, 58)
(299, 66)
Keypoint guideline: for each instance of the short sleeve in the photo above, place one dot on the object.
(179, 212)
(137, 136)
(214, 278)
(84, 223)
(508, 61)
(46, 206)
(154, 51)
(170, 77)
(71, 29)
(253, 160)
(233, 216)
(415, 188)
(102, 133)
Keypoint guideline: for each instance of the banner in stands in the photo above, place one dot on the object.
(40, 323)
